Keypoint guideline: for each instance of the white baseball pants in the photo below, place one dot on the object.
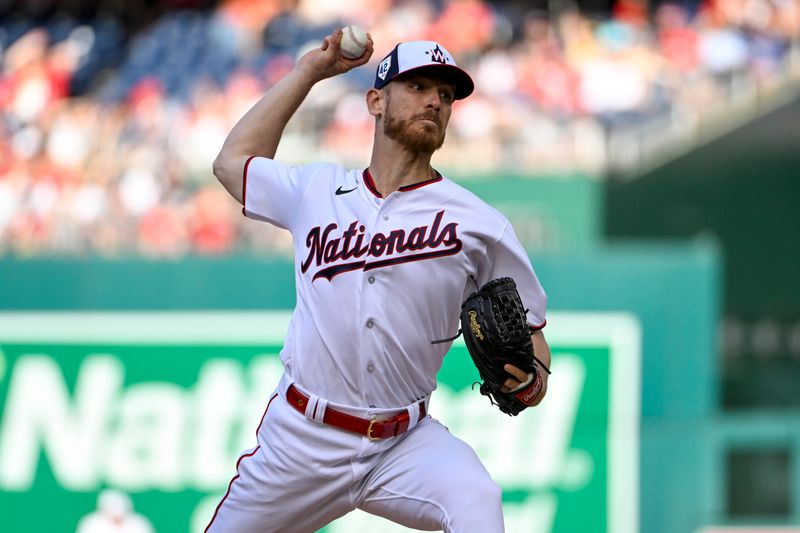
(303, 475)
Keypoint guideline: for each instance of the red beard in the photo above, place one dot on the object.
(427, 139)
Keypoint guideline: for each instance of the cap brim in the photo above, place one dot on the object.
(461, 80)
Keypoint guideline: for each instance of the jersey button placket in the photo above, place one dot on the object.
(384, 213)
(371, 306)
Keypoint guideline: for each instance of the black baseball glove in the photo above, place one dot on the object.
(493, 321)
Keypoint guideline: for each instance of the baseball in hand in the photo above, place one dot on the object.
(354, 42)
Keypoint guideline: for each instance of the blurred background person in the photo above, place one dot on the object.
(114, 514)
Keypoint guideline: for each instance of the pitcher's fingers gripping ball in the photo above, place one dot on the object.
(354, 42)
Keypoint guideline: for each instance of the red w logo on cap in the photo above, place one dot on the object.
(437, 55)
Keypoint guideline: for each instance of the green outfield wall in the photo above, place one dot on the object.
(742, 190)
(601, 455)
(554, 214)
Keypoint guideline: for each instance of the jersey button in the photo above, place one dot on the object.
(385, 216)
(370, 324)
(370, 368)
(371, 279)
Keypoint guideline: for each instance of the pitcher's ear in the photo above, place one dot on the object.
(376, 102)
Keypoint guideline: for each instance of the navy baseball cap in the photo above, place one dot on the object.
(418, 55)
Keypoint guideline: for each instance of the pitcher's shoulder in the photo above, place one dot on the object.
(458, 195)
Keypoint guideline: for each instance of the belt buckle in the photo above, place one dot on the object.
(369, 430)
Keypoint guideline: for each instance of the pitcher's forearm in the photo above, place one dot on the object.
(540, 348)
(259, 131)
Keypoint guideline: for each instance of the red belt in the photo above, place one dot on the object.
(374, 429)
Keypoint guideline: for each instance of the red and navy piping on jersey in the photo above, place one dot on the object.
(244, 183)
(370, 183)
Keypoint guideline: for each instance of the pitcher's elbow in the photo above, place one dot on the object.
(218, 168)
(221, 170)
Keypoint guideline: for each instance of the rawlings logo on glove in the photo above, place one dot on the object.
(473, 324)
(496, 331)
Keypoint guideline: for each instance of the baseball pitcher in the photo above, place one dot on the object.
(392, 261)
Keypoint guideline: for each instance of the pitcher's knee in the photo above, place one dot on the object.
(482, 493)
(476, 509)
(490, 492)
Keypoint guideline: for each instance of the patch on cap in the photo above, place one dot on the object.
(383, 68)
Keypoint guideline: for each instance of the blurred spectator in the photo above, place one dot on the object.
(210, 222)
(110, 122)
(463, 27)
(677, 39)
(114, 514)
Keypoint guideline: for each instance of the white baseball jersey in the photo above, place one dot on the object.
(378, 279)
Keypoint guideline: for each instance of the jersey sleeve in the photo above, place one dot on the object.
(273, 191)
(507, 257)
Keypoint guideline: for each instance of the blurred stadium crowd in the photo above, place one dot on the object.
(108, 129)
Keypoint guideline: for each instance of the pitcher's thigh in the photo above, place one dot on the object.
(296, 481)
(434, 481)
